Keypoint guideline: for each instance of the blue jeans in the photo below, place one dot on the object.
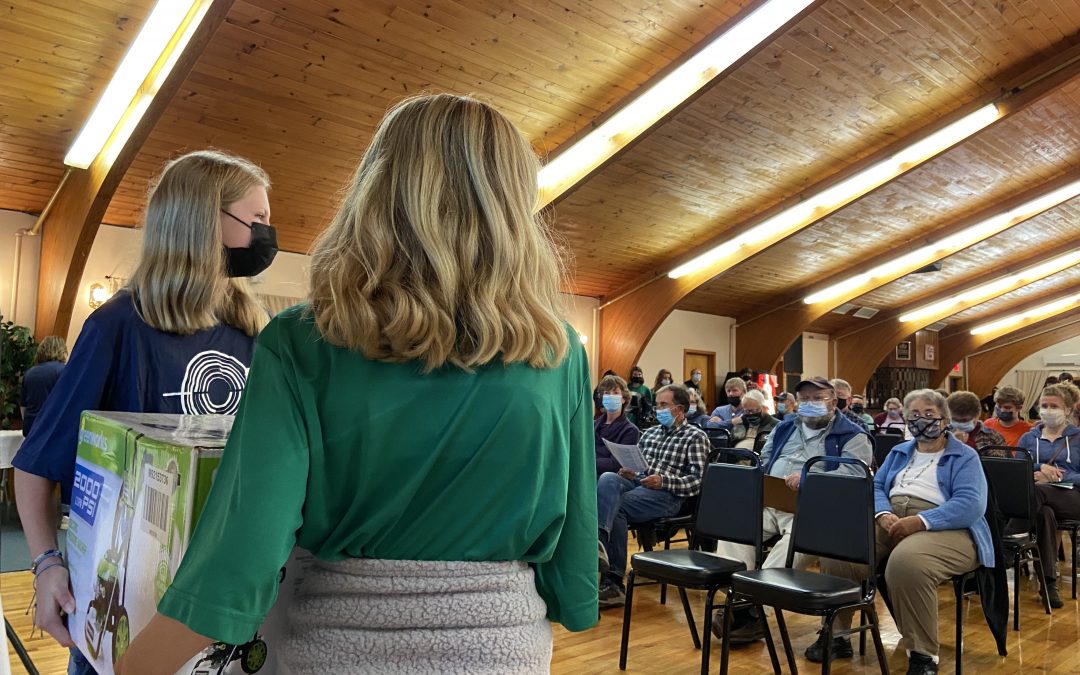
(78, 665)
(620, 501)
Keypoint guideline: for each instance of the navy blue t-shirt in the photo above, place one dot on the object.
(119, 363)
(36, 385)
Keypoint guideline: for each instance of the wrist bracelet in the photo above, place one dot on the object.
(58, 563)
(51, 553)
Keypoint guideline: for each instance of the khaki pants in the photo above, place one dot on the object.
(916, 567)
(773, 522)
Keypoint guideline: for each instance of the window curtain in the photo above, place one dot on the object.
(1030, 384)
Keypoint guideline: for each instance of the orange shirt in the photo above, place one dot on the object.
(1011, 434)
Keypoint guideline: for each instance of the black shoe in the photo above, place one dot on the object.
(841, 649)
(603, 564)
(751, 631)
(1054, 594)
(611, 595)
(921, 664)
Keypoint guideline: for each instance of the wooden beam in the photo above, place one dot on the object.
(988, 366)
(632, 314)
(859, 352)
(69, 228)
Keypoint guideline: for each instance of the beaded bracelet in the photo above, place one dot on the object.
(51, 553)
(58, 563)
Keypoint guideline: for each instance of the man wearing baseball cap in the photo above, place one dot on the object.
(816, 429)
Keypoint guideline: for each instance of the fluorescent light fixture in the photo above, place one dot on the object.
(909, 262)
(574, 163)
(821, 204)
(1052, 308)
(164, 35)
(991, 289)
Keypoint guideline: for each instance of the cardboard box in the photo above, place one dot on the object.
(141, 481)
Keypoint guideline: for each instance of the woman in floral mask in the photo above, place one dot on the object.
(1054, 443)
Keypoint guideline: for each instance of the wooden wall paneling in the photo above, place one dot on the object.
(69, 229)
(986, 367)
(860, 351)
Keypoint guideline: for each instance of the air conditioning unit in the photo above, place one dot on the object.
(1057, 362)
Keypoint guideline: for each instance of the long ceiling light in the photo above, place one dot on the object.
(909, 262)
(584, 156)
(991, 289)
(821, 204)
(1052, 308)
(138, 77)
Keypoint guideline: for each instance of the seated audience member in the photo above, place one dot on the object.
(843, 402)
(721, 417)
(1065, 378)
(930, 501)
(598, 405)
(964, 409)
(785, 405)
(1054, 443)
(892, 418)
(39, 380)
(676, 453)
(696, 415)
(663, 379)
(1073, 401)
(752, 427)
(858, 406)
(820, 429)
(612, 425)
(1008, 402)
(987, 404)
(694, 383)
(1033, 412)
(641, 397)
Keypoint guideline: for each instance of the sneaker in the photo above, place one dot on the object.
(751, 631)
(921, 664)
(611, 595)
(604, 563)
(1055, 595)
(841, 649)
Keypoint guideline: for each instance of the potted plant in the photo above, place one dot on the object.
(17, 349)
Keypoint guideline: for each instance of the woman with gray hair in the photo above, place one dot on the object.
(930, 504)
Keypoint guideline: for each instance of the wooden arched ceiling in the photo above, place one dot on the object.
(299, 86)
(56, 57)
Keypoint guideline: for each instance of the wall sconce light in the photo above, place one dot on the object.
(98, 295)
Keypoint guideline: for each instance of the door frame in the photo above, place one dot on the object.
(708, 378)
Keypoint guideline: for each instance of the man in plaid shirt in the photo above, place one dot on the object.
(676, 453)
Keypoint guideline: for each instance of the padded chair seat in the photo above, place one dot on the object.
(795, 590)
(685, 567)
(1016, 540)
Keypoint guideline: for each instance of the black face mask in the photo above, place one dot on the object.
(637, 380)
(734, 401)
(752, 420)
(256, 258)
(858, 409)
(841, 403)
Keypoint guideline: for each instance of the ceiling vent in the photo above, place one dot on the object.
(844, 308)
(866, 312)
(936, 327)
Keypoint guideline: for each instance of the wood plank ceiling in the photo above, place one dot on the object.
(298, 85)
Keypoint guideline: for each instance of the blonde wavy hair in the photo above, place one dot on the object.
(180, 285)
(437, 253)
(52, 348)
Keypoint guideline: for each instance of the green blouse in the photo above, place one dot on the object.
(349, 457)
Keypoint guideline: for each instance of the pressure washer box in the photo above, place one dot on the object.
(141, 481)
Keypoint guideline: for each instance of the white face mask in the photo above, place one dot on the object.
(1052, 417)
(665, 382)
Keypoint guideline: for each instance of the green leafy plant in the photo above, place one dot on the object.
(17, 350)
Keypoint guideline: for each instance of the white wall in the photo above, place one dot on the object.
(688, 330)
(12, 222)
(1063, 352)
(815, 354)
(581, 314)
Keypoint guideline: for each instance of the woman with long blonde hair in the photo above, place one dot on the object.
(177, 339)
(442, 546)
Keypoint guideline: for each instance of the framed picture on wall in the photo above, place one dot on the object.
(903, 351)
(929, 352)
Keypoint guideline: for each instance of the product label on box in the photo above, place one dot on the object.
(86, 493)
(158, 503)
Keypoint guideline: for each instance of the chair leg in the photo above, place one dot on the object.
(1042, 580)
(769, 641)
(626, 620)
(787, 642)
(706, 631)
(862, 633)
(960, 625)
(689, 617)
(1072, 545)
(725, 646)
(663, 587)
(875, 632)
(826, 660)
(1016, 591)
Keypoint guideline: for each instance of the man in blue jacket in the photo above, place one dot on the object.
(817, 429)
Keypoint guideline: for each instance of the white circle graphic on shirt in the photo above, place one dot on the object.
(212, 384)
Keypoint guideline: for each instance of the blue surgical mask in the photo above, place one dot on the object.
(813, 409)
(966, 427)
(612, 403)
(665, 417)
(696, 378)
(781, 408)
(692, 410)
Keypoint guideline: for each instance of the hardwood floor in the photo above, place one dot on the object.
(660, 642)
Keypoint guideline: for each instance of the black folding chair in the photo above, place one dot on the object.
(883, 445)
(727, 489)
(720, 441)
(834, 518)
(651, 533)
(1072, 527)
(1015, 491)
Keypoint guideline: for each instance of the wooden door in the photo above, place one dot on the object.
(706, 363)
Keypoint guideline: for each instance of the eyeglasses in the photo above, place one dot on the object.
(822, 399)
(915, 417)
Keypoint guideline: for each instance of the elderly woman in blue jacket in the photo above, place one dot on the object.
(930, 504)
(1054, 444)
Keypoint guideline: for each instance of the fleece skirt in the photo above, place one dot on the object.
(408, 616)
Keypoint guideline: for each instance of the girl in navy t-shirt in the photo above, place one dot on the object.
(177, 339)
